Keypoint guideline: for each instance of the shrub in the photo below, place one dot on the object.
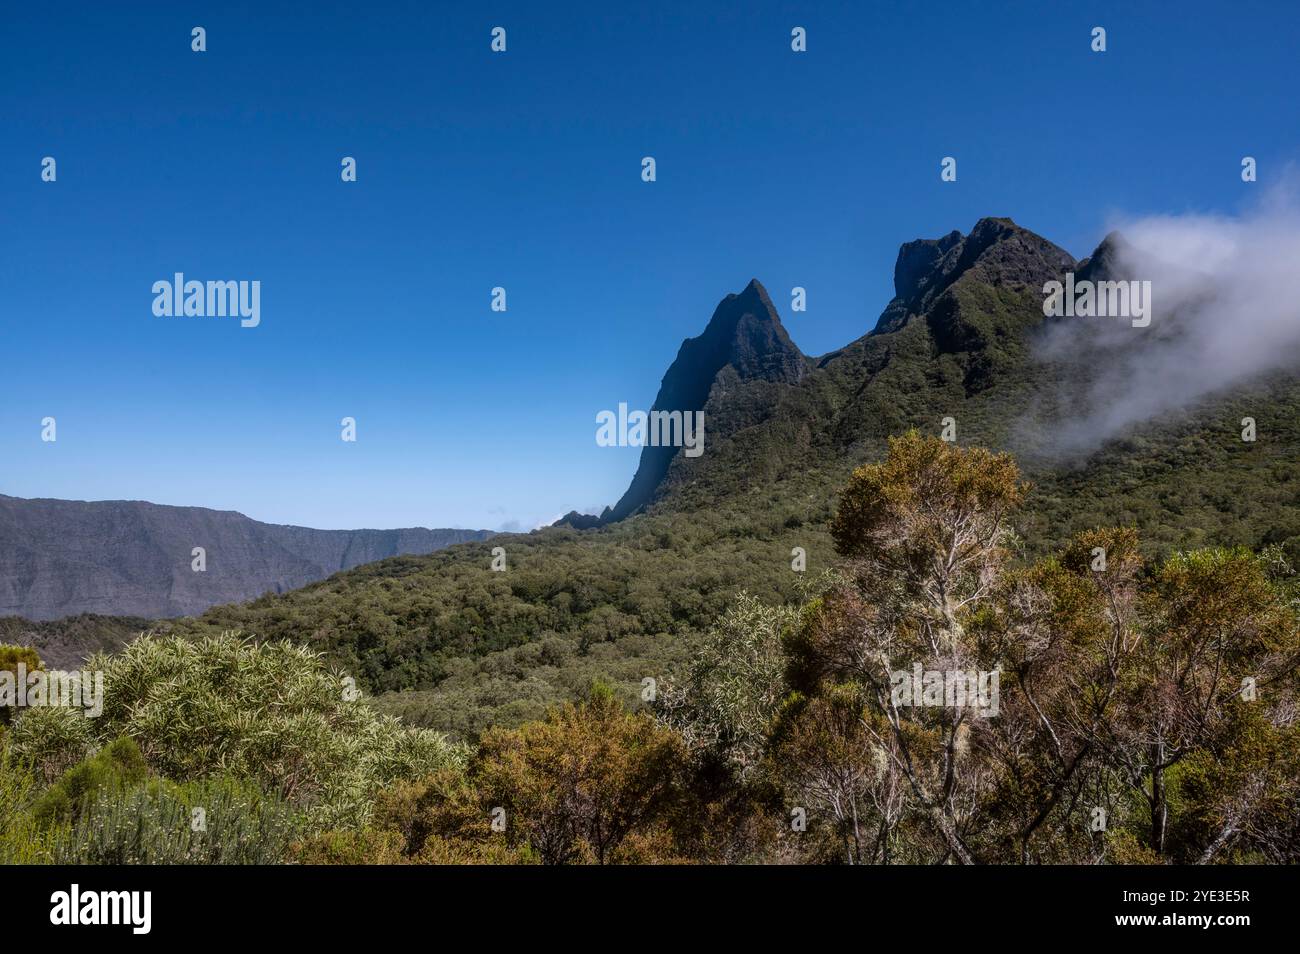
(22, 839)
(156, 824)
(10, 658)
(734, 685)
(113, 769)
(51, 739)
(270, 713)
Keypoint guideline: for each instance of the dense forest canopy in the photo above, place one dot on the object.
(1143, 711)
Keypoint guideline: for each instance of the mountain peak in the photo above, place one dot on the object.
(1002, 251)
(744, 348)
(917, 259)
(998, 223)
(1104, 263)
(745, 334)
(752, 298)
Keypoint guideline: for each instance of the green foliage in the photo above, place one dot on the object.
(52, 738)
(590, 783)
(1126, 695)
(1123, 691)
(916, 505)
(22, 839)
(354, 847)
(457, 647)
(726, 701)
(156, 824)
(10, 658)
(270, 713)
(114, 768)
(440, 819)
(828, 752)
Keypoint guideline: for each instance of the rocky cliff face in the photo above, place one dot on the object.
(1106, 262)
(130, 558)
(744, 337)
(997, 252)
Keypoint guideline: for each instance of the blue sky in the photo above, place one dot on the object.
(522, 170)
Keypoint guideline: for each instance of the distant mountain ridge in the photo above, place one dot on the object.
(132, 558)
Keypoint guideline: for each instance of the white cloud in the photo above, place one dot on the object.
(1225, 296)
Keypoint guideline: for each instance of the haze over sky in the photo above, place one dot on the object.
(522, 170)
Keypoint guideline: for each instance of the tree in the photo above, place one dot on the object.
(1141, 714)
(725, 704)
(1065, 630)
(831, 751)
(1217, 637)
(592, 782)
(925, 533)
(927, 529)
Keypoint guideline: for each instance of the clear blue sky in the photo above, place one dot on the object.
(523, 170)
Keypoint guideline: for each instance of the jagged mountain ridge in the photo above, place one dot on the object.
(974, 298)
(132, 558)
(960, 338)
